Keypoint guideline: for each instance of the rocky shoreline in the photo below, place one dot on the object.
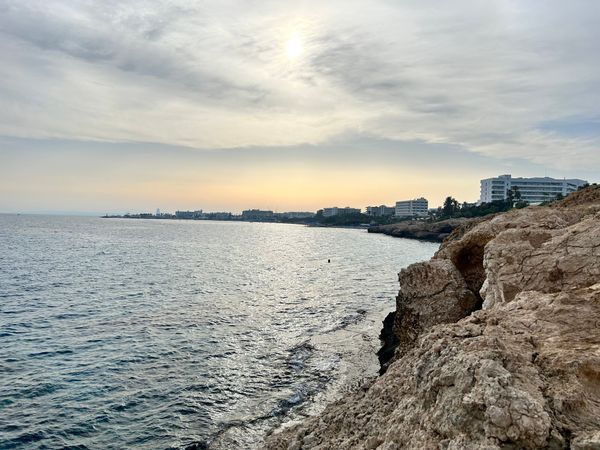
(494, 344)
(422, 230)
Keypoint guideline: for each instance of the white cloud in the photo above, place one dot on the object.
(483, 75)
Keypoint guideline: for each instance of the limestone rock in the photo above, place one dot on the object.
(521, 373)
(432, 292)
(541, 260)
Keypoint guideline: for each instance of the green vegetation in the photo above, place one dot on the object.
(345, 220)
(469, 210)
(342, 219)
(350, 220)
(453, 209)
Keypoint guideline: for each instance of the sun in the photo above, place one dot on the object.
(294, 47)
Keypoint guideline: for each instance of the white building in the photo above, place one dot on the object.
(416, 207)
(532, 190)
(298, 215)
(380, 211)
(336, 211)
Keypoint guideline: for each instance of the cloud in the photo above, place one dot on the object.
(73, 175)
(488, 77)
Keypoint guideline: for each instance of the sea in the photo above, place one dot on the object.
(165, 334)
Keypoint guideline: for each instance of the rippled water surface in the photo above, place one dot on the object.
(159, 334)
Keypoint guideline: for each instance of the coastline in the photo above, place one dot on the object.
(434, 232)
(224, 316)
(502, 321)
(347, 356)
(411, 229)
(284, 222)
(422, 230)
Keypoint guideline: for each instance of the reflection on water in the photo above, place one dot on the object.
(160, 334)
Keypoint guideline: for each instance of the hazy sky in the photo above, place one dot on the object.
(290, 105)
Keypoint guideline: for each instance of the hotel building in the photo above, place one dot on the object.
(407, 208)
(257, 215)
(335, 211)
(532, 190)
(380, 211)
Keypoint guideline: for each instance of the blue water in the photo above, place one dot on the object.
(156, 334)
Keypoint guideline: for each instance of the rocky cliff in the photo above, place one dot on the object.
(498, 344)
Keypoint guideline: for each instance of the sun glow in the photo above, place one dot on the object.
(294, 47)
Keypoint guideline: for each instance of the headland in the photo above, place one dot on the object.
(497, 343)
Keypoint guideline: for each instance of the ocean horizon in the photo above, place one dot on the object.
(183, 334)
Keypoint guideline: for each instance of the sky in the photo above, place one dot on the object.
(130, 105)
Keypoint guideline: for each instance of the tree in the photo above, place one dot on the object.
(450, 207)
(521, 204)
(510, 198)
(513, 196)
(517, 193)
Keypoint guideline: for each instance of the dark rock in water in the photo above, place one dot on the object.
(389, 342)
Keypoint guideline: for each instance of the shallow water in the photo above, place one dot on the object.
(157, 334)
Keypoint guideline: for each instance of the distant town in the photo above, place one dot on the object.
(496, 194)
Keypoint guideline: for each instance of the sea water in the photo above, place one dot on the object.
(157, 334)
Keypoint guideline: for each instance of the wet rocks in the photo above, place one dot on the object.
(389, 342)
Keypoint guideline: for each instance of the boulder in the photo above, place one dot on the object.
(432, 292)
(541, 260)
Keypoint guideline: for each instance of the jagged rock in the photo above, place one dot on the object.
(587, 196)
(432, 292)
(467, 251)
(586, 441)
(389, 342)
(541, 260)
(522, 373)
